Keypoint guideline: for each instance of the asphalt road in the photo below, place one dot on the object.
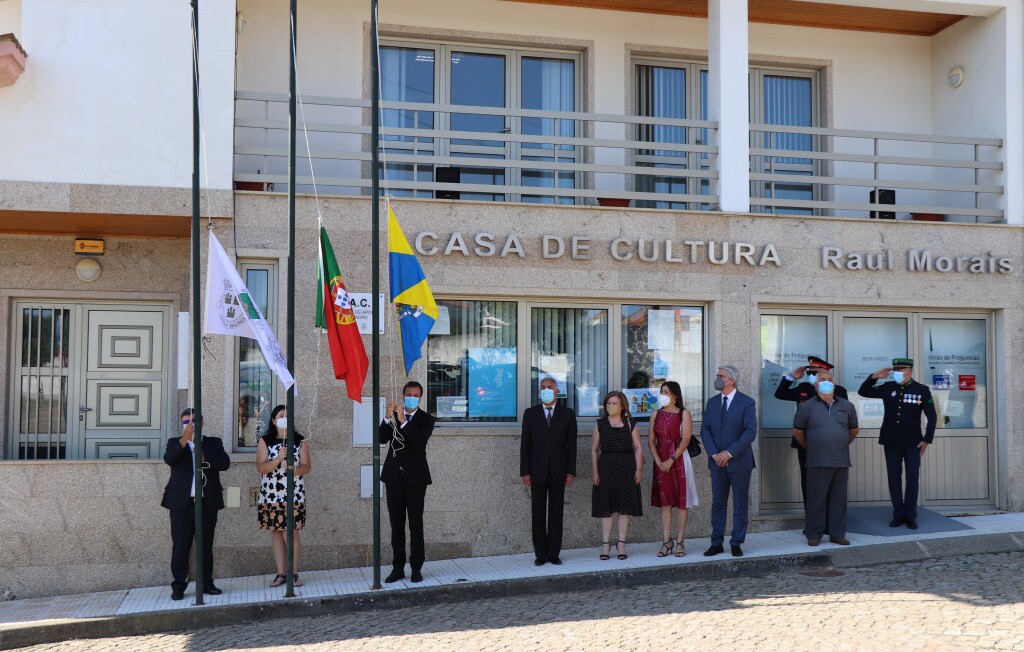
(973, 602)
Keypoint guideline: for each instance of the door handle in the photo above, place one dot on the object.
(82, 408)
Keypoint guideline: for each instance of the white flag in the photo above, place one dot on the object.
(231, 311)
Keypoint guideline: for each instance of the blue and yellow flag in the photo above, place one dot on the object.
(410, 292)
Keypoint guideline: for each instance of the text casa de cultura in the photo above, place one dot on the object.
(655, 250)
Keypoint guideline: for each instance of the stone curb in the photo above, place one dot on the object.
(214, 616)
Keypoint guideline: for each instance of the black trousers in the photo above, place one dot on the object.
(826, 508)
(547, 504)
(406, 498)
(904, 501)
(801, 456)
(183, 529)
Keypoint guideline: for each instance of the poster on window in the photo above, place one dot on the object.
(555, 367)
(955, 355)
(451, 407)
(642, 402)
(492, 382)
(661, 329)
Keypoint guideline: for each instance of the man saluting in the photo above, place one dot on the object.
(904, 399)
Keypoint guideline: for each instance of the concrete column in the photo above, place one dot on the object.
(728, 100)
(609, 82)
(1013, 145)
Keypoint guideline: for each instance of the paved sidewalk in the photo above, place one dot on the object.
(39, 620)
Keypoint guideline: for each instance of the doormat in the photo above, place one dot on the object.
(875, 521)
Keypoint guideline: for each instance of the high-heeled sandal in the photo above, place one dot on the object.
(621, 555)
(278, 580)
(680, 549)
(666, 548)
(605, 556)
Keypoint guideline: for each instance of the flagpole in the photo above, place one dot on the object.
(197, 360)
(375, 265)
(290, 535)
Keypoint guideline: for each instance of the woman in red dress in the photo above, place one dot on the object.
(674, 487)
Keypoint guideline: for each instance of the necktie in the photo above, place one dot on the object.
(547, 415)
(725, 406)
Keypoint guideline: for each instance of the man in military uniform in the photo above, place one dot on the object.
(904, 399)
(799, 393)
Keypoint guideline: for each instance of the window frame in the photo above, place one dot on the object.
(243, 266)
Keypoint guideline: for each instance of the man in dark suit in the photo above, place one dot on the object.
(406, 476)
(180, 499)
(728, 429)
(547, 465)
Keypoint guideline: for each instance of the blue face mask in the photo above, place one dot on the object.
(411, 403)
(547, 395)
(811, 378)
(826, 387)
(898, 376)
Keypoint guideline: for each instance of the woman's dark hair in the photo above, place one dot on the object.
(272, 431)
(673, 387)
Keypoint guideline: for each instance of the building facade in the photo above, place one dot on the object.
(829, 179)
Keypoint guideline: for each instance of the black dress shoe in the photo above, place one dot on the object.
(555, 560)
(736, 551)
(539, 561)
(714, 550)
(211, 590)
(394, 576)
(842, 541)
(911, 524)
(896, 522)
(417, 576)
(813, 542)
(177, 595)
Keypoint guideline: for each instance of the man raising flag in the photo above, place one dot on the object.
(410, 292)
(347, 352)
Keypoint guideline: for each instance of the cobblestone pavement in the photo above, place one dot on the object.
(974, 602)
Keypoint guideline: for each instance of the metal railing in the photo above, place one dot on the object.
(841, 172)
(475, 152)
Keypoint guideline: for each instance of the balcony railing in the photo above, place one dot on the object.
(566, 157)
(474, 152)
(812, 170)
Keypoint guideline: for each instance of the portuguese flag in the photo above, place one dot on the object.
(347, 352)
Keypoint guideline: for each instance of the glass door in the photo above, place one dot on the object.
(954, 364)
(480, 78)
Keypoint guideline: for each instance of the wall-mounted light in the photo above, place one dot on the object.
(955, 76)
(88, 269)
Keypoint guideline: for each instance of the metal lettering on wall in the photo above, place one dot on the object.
(580, 247)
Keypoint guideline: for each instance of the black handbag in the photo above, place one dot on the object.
(693, 448)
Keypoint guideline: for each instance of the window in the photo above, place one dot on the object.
(257, 392)
(571, 346)
(956, 369)
(494, 78)
(661, 343)
(784, 97)
(671, 90)
(678, 89)
(485, 359)
(473, 362)
(786, 342)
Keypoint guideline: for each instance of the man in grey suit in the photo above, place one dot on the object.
(728, 429)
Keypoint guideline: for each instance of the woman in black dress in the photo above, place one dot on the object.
(617, 460)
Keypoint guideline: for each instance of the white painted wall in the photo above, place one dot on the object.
(106, 94)
(10, 17)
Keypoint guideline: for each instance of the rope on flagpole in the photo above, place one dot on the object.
(320, 223)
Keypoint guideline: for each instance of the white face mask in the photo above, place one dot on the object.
(664, 400)
(282, 423)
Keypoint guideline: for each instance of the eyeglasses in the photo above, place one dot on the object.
(185, 422)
